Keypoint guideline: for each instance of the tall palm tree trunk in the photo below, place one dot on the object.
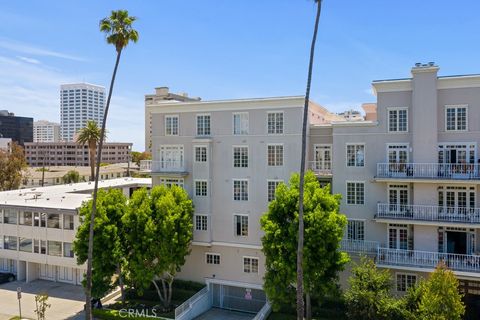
(300, 302)
(91, 150)
(88, 294)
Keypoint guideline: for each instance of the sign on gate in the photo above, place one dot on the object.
(248, 294)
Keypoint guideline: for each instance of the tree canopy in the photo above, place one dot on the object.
(71, 176)
(12, 166)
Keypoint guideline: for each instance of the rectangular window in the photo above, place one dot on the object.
(9, 216)
(241, 225)
(356, 230)
(240, 123)
(275, 122)
(271, 188)
(212, 258)
(25, 244)
(456, 118)
(240, 190)
(67, 222)
(275, 155)
(201, 222)
(355, 192)
(67, 250)
(26, 218)
(54, 248)
(200, 154)
(10, 243)
(43, 247)
(355, 155)
(398, 120)
(250, 265)
(203, 125)
(201, 188)
(53, 221)
(171, 125)
(240, 157)
(172, 181)
(405, 281)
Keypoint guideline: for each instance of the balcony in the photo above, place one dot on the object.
(438, 171)
(428, 213)
(320, 169)
(145, 165)
(427, 260)
(359, 246)
(171, 167)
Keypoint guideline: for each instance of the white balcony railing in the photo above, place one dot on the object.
(463, 171)
(429, 260)
(145, 165)
(428, 213)
(359, 246)
(322, 169)
(168, 166)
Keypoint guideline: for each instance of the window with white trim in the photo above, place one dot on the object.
(355, 155)
(201, 222)
(240, 157)
(171, 125)
(201, 188)
(275, 122)
(203, 125)
(200, 154)
(456, 118)
(405, 281)
(241, 225)
(355, 192)
(271, 188)
(275, 155)
(240, 123)
(398, 120)
(212, 258)
(356, 230)
(172, 181)
(250, 265)
(240, 190)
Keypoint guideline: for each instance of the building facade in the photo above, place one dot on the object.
(73, 154)
(79, 103)
(19, 129)
(38, 227)
(46, 131)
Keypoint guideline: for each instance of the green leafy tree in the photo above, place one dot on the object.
(12, 167)
(90, 135)
(324, 227)
(108, 240)
(159, 231)
(41, 306)
(71, 176)
(139, 156)
(301, 227)
(119, 32)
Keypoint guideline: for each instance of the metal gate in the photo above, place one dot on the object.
(237, 298)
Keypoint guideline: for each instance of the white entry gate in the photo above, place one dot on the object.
(237, 298)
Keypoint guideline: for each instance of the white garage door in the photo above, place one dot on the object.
(66, 275)
(48, 272)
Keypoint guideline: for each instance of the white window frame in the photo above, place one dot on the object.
(355, 159)
(199, 192)
(235, 215)
(397, 109)
(201, 226)
(456, 107)
(233, 155)
(164, 148)
(242, 131)
(361, 222)
(406, 274)
(213, 254)
(275, 123)
(250, 265)
(346, 192)
(233, 190)
(325, 165)
(172, 116)
(203, 134)
(195, 149)
(172, 181)
(277, 182)
(276, 157)
(402, 145)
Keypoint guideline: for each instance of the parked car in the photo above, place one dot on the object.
(6, 277)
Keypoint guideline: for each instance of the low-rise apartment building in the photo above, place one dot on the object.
(38, 226)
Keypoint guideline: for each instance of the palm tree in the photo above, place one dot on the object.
(90, 135)
(119, 32)
(300, 302)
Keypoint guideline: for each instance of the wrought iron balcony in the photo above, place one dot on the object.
(321, 169)
(442, 171)
(359, 246)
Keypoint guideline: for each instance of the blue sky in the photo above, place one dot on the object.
(221, 49)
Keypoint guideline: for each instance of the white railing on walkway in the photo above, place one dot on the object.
(145, 165)
(187, 305)
(359, 246)
(323, 169)
(465, 171)
(428, 213)
(425, 259)
(264, 312)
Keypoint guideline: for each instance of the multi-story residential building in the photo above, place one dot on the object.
(38, 226)
(19, 129)
(229, 156)
(73, 154)
(79, 103)
(46, 131)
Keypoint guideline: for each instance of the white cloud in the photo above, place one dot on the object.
(29, 60)
(33, 50)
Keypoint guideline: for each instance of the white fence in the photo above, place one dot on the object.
(196, 305)
(464, 171)
(359, 246)
(428, 213)
(264, 312)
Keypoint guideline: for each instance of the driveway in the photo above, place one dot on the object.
(66, 300)
(220, 314)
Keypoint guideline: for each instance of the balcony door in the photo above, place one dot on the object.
(456, 240)
(323, 157)
(456, 201)
(456, 153)
(398, 198)
(397, 155)
(398, 236)
(171, 157)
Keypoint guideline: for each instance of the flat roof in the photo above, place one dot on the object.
(473, 75)
(67, 197)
